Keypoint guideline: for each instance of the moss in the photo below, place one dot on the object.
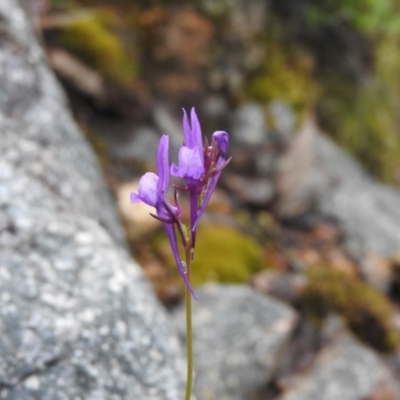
(286, 76)
(226, 255)
(94, 41)
(369, 16)
(223, 254)
(367, 311)
(363, 117)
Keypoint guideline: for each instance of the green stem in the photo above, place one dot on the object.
(189, 336)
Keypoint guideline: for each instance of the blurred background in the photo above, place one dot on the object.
(308, 210)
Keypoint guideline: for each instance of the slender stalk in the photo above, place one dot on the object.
(189, 336)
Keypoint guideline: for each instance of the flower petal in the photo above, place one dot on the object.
(193, 138)
(190, 164)
(147, 190)
(222, 139)
(135, 198)
(163, 165)
(186, 129)
(197, 140)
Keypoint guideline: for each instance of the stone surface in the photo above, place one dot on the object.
(368, 211)
(293, 171)
(237, 338)
(77, 318)
(44, 163)
(256, 192)
(248, 125)
(140, 145)
(283, 118)
(345, 370)
(315, 174)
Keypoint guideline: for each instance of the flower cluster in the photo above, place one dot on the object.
(200, 167)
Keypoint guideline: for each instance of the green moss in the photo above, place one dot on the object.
(367, 311)
(94, 41)
(363, 117)
(286, 75)
(369, 16)
(223, 254)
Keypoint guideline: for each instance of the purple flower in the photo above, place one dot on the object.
(199, 167)
(152, 191)
(191, 159)
(191, 164)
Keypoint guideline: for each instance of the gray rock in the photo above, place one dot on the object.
(319, 175)
(256, 192)
(141, 145)
(248, 125)
(168, 125)
(237, 338)
(77, 318)
(283, 118)
(368, 211)
(345, 370)
(44, 163)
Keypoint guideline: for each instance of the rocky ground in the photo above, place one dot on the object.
(301, 243)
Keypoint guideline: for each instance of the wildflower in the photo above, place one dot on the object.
(200, 167)
(191, 164)
(152, 191)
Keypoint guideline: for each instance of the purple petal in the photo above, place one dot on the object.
(135, 198)
(147, 190)
(191, 164)
(197, 140)
(193, 138)
(163, 165)
(170, 230)
(186, 129)
(222, 139)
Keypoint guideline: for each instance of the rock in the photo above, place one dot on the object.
(139, 144)
(315, 174)
(256, 192)
(239, 49)
(238, 335)
(32, 109)
(344, 370)
(84, 79)
(368, 211)
(282, 285)
(178, 50)
(179, 33)
(77, 317)
(282, 118)
(293, 172)
(168, 125)
(248, 125)
(307, 340)
(377, 271)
